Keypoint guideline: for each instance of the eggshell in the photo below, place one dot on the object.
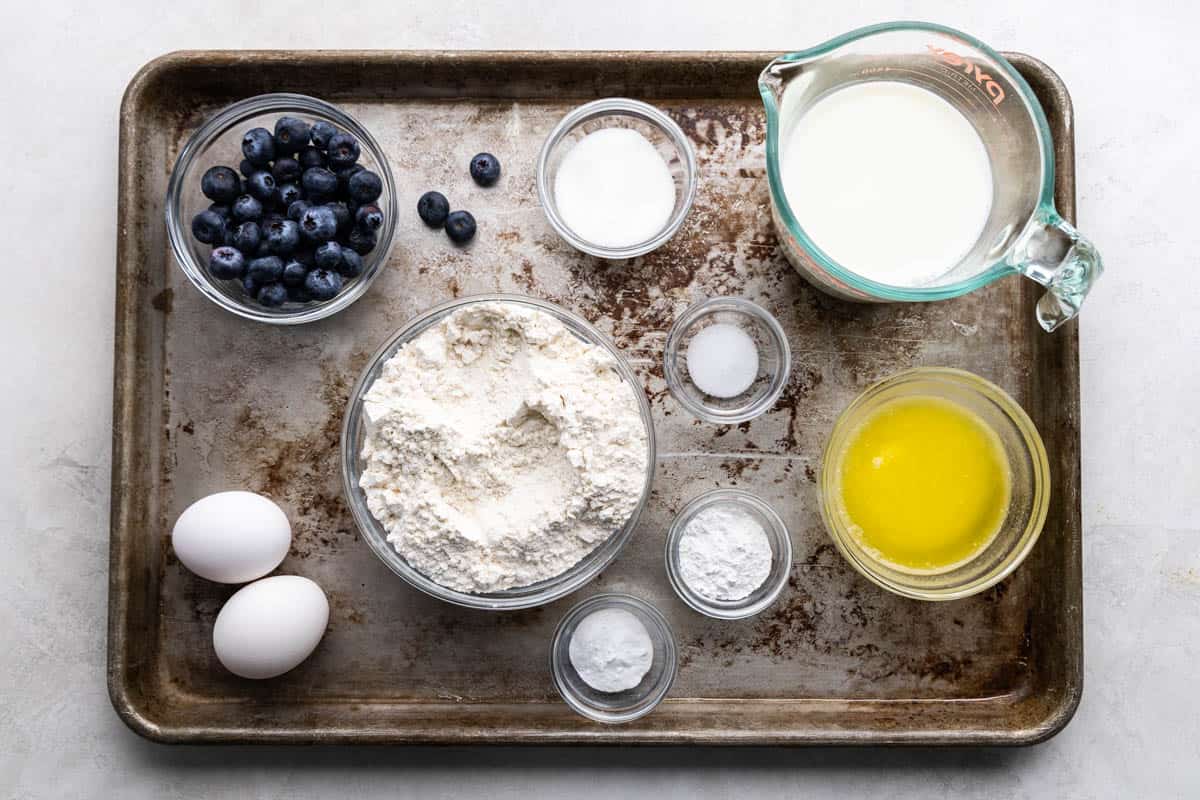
(270, 626)
(232, 537)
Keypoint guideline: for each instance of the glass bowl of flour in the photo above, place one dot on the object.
(728, 554)
(497, 452)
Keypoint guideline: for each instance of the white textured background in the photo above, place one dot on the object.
(1131, 68)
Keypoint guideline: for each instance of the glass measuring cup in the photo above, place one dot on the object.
(1023, 234)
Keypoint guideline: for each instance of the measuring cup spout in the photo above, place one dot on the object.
(775, 76)
(1054, 254)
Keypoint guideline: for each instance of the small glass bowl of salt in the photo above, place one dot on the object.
(728, 554)
(727, 360)
(613, 658)
(616, 178)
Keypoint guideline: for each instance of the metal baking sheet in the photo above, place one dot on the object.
(206, 401)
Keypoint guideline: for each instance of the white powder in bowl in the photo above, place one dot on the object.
(500, 448)
(613, 189)
(611, 650)
(724, 553)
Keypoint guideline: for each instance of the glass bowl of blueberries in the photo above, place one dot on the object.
(281, 209)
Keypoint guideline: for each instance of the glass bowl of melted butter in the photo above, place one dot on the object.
(934, 484)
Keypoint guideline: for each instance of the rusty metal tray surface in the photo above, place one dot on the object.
(207, 401)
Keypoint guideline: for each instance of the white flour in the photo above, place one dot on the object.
(500, 448)
(611, 650)
(724, 553)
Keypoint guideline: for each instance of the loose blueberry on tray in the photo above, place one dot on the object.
(460, 226)
(485, 169)
(433, 208)
(294, 220)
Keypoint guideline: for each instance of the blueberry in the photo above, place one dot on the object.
(298, 294)
(247, 236)
(247, 168)
(258, 146)
(226, 263)
(433, 207)
(283, 236)
(323, 284)
(293, 273)
(361, 241)
(290, 134)
(318, 223)
(261, 185)
(296, 209)
(273, 294)
(221, 210)
(319, 183)
(485, 169)
(229, 239)
(352, 263)
(329, 255)
(310, 157)
(221, 184)
(342, 214)
(263, 250)
(345, 174)
(270, 217)
(249, 286)
(208, 227)
(322, 132)
(369, 217)
(289, 193)
(286, 170)
(460, 227)
(343, 150)
(364, 187)
(266, 269)
(246, 208)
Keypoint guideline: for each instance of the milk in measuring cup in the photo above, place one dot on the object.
(889, 180)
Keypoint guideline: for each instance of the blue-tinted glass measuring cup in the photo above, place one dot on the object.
(1023, 234)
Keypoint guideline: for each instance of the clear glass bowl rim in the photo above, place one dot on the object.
(616, 106)
(1040, 470)
(178, 229)
(671, 355)
(660, 691)
(727, 609)
(512, 599)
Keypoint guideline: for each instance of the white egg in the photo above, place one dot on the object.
(270, 626)
(232, 537)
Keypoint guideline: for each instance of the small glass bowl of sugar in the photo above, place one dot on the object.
(727, 360)
(616, 178)
(728, 554)
(613, 658)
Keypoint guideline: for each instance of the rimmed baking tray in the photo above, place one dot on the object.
(206, 401)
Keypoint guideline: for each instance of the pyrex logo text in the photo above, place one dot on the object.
(994, 90)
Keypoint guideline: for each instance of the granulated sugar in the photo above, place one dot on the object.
(613, 189)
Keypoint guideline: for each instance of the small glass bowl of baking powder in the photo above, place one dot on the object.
(726, 360)
(747, 506)
(620, 706)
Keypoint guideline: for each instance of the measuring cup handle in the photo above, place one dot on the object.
(1054, 254)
